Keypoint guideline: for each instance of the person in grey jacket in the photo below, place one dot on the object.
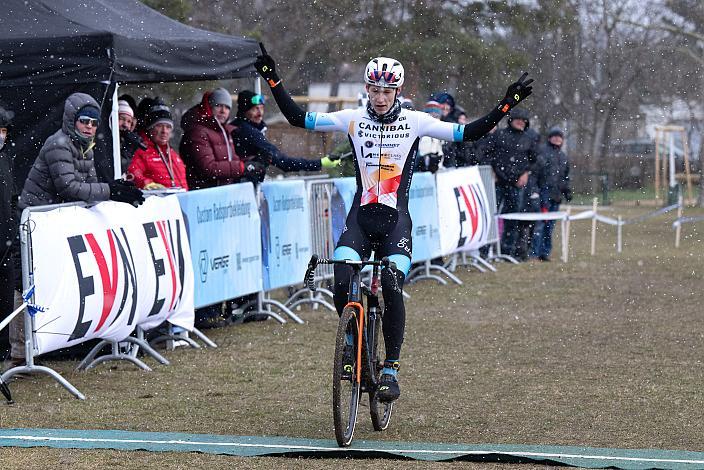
(64, 170)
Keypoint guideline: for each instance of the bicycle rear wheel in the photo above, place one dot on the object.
(345, 384)
(381, 412)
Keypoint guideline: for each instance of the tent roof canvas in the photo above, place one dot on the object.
(62, 42)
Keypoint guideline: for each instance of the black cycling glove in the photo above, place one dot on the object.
(125, 191)
(266, 67)
(254, 171)
(517, 92)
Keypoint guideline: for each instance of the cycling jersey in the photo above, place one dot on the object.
(384, 153)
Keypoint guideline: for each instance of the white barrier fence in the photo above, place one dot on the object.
(566, 216)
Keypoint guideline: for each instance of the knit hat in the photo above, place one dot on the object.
(220, 96)
(123, 107)
(88, 111)
(158, 113)
(246, 100)
(555, 131)
(444, 98)
(406, 103)
(433, 108)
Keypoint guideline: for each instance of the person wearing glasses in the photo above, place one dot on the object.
(251, 142)
(157, 166)
(384, 139)
(64, 170)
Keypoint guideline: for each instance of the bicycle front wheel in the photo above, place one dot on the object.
(381, 412)
(345, 383)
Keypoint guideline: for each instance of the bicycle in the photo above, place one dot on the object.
(364, 372)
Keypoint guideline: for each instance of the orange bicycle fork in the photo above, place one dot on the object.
(360, 328)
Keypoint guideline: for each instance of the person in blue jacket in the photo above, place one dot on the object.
(251, 142)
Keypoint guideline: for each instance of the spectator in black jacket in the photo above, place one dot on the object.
(555, 188)
(454, 152)
(512, 151)
(8, 228)
(252, 144)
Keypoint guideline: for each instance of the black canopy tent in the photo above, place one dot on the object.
(52, 48)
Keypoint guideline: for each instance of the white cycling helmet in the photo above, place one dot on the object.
(384, 72)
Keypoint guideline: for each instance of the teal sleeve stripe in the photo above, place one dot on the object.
(403, 263)
(345, 252)
(310, 120)
(458, 133)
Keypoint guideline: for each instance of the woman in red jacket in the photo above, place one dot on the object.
(158, 166)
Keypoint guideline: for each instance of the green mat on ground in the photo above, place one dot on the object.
(318, 448)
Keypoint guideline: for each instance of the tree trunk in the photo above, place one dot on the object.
(597, 148)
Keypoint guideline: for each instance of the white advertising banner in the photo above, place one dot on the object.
(100, 272)
(463, 209)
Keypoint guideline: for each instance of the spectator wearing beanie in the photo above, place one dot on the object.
(158, 166)
(64, 170)
(130, 141)
(252, 144)
(207, 147)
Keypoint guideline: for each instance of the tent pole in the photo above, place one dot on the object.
(115, 128)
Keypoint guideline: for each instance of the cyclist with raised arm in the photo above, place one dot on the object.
(384, 139)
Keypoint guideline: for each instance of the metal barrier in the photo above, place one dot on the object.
(320, 193)
(29, 325)
(125, 349)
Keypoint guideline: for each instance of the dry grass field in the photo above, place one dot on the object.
(603, 351)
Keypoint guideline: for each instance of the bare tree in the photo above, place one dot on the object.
(683, 22)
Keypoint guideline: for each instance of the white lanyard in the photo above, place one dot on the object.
(227, 142)
(168, 163)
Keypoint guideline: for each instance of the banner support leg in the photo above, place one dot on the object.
(208, 342)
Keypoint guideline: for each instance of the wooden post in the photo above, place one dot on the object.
(619, 236)
(595, 201)
(657, 163)
(687, 173)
